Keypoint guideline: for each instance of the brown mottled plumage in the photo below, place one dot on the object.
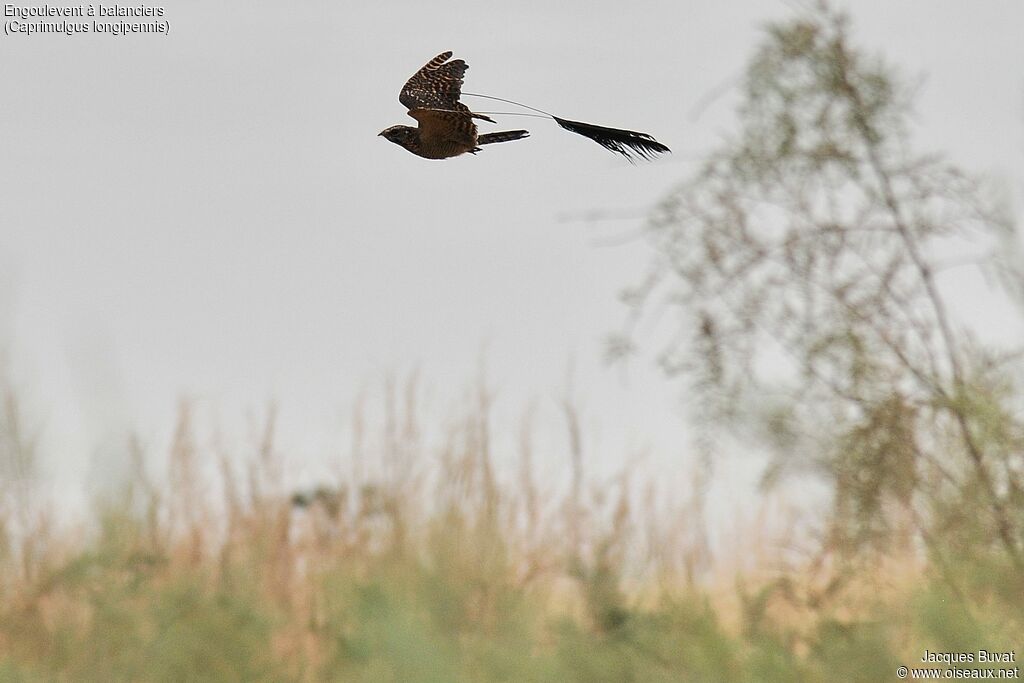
(446, 128)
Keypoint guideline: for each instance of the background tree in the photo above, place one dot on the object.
(803, 267)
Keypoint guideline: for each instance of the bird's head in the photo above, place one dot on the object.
(400, 135)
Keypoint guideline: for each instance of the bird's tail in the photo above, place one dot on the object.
(504, 136)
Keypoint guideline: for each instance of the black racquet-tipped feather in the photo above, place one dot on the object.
(628, 143)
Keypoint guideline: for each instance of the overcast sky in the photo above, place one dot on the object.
(210, 214)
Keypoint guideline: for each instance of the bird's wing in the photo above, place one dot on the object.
(438, 85)
(445, 125)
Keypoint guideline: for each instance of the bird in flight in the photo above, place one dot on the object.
(447, 128)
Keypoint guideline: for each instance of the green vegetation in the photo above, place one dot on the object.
(380, 583)
(812, 235)
(376, 584)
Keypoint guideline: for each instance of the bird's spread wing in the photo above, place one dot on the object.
(445, 125)
(438, 85)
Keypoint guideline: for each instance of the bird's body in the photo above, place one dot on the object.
(446, 128)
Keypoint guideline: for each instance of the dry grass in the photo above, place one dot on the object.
(435, 564)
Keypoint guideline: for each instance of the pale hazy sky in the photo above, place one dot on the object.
(210, 213)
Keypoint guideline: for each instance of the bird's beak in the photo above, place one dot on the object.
(380, 133)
